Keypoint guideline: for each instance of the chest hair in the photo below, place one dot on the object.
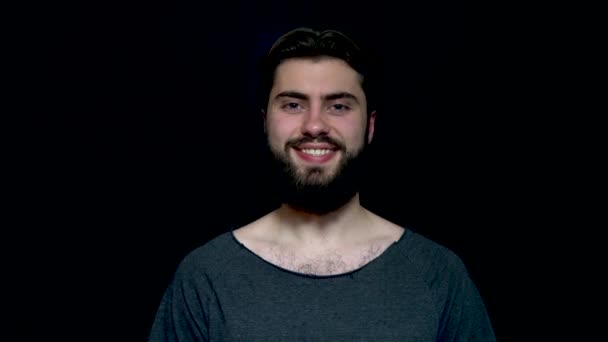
(326, 263)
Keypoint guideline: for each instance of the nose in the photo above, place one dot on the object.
(314, 123)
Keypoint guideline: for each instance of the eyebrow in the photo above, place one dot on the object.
(327, 97)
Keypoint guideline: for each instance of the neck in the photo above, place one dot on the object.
(333, 228)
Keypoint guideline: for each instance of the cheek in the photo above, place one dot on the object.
(281, 127)
(354, 132)
(278, 131)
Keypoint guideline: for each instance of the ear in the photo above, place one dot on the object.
(371, 124)
(264, 118)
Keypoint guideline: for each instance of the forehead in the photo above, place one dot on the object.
(317, 76)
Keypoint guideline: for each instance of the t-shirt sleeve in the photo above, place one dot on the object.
(464, 316)
(182, 314)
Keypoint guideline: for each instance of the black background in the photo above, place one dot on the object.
(146, 137)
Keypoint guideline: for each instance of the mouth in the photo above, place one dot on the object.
(316, 154)
(316, 151)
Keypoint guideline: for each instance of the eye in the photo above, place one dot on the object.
(291, 107)
(340, 108)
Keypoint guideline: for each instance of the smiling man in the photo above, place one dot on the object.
(321, 267)
(318, 129)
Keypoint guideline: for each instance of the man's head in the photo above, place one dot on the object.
(317, 117)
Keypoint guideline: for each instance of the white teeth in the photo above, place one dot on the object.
(316, 152)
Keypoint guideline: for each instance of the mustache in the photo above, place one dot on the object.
(321, 139)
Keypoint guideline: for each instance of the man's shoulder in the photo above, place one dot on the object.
(429, 256)
(211, 256)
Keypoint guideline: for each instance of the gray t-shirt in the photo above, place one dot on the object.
(416, 290)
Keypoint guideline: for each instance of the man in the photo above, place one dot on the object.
(321, 267)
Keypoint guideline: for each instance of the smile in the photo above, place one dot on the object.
(316, 152)
(315, 155)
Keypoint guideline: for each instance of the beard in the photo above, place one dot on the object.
(317, 189)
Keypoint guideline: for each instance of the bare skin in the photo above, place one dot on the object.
(331, 255)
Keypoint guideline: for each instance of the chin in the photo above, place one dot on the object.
(315, 175)
(318, 189)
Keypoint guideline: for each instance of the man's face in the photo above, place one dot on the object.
(316, 124)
